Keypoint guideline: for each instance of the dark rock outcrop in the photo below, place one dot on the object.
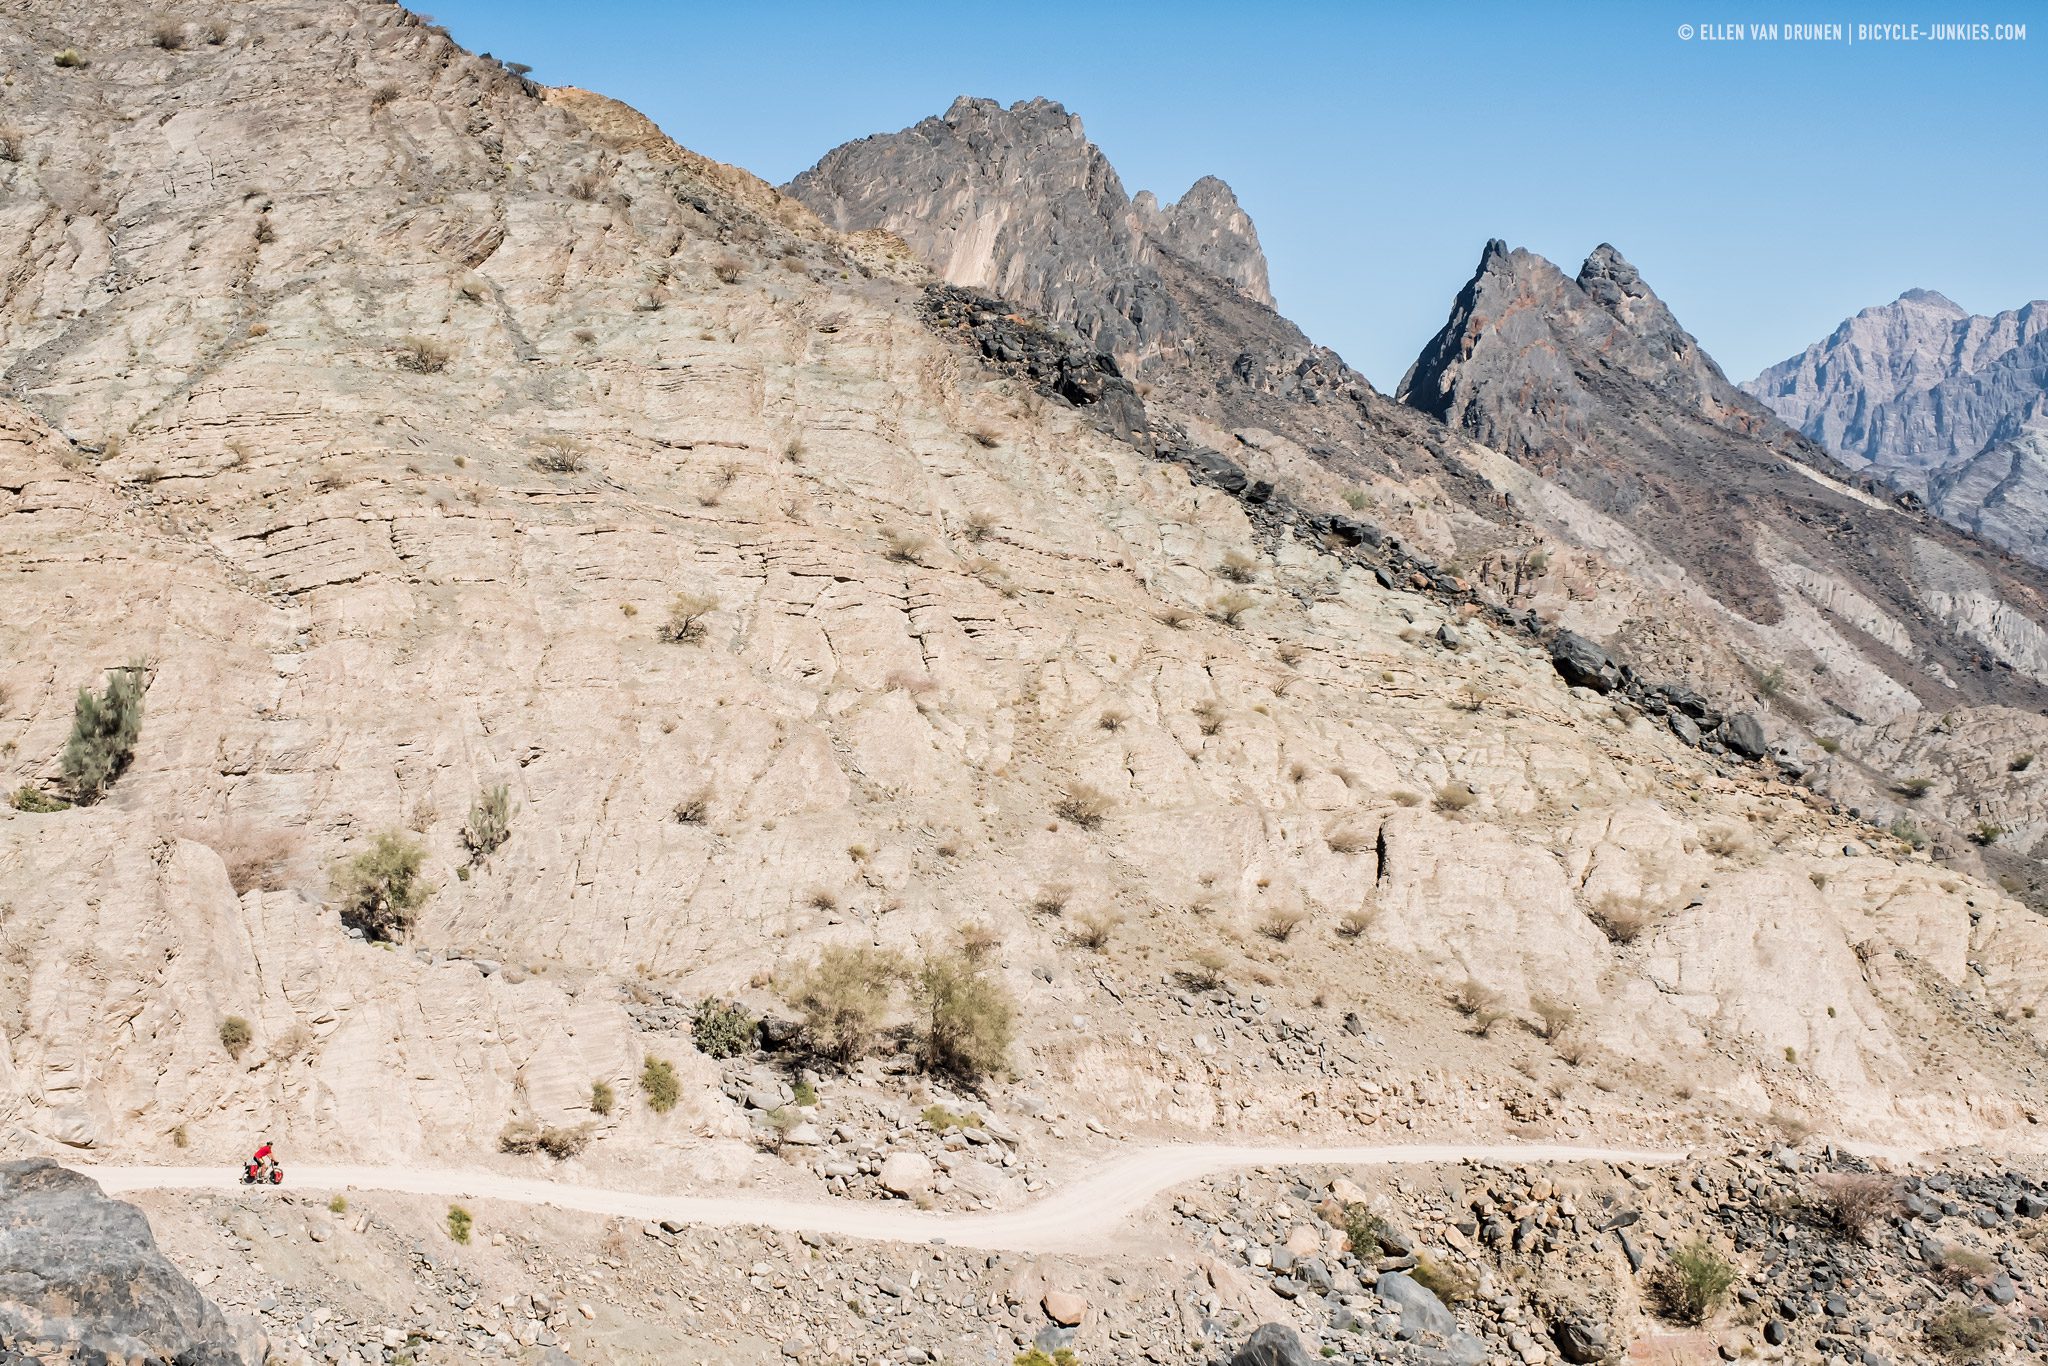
(1583, 664)
(81, 1280)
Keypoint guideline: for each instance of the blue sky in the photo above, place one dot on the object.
(1766, 189)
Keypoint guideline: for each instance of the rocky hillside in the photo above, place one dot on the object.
(643, 587)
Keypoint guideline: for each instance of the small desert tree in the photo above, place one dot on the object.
(236, 1036)
(968, 1017)
(845, 996)
(104, 728)
(659, 1082)
(380, 888)
(490, 823)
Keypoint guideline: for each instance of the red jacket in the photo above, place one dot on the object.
(261, 1153)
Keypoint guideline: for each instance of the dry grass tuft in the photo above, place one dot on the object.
(1094, 929)
(1084, 806)
(1622, 919)
(1280, 923)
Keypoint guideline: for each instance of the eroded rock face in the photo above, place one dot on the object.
(81, 1279)
(1915, 385)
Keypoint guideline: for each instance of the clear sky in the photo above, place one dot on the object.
(1767, 189)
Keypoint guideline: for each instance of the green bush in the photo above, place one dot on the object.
(602, 1097)
(380, 888)
(968, 1018)
(103, 733)
(459, 1223)
(1366, 1232)
(1960, 1333)
(1061, 1356)
(338, 1205)
(236, 1036)
(661, 1086)
(722, 1029)
(845, 997)
(490, 823)
(1452, 1285)
(1694, 1282)
(36, 802)
(940, 1118)
(803, 1094)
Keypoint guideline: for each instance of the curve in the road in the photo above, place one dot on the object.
(1080, 1216)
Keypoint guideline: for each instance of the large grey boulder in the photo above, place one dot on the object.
(81, 1280)
(1583, 664)
(1427, 1321)
(1579, 1339)
(1744, 734)
(1274, 1344)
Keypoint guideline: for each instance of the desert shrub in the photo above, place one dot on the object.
(291, 1043)
(104, 728)
(728, 269)
(236, 1036)
(977, 940)
(1232, 608)
(1174, 618)
(693, 810)
(1913, 789)
(338, 1205)
(1366, 1233)
(562, 1142)
(380, 888)
(1828, 744)
(1722, 841)
(1622, 919)
(845, 996)
(1452, 798)
(1908, 833)
(1772, 683)
(1082, 805)
(1693, 1282)
(1280, 923)
(1354, 924)
(1061, 1356)
(459, 1223)
(968, 1018)
(1204, 970)
(489, 824)
(68, 58)
(1237, 566)
(1451, 1284)
(1355, 499)
(1986, 833)
(905, 547)
(557, 455)
(179, 1138)
(520, 1137)
(1470, 697)
(978, 527)
(383, 93)
(1962, 1333)
(256, 859)
(602, 1098)
(1112, 720)
(1479, 1003)
(938, 1117)
(1962, 1265)
(10, 144)
(2020, 763)
(722, 1029)
(1094, 929)
(1348, 839)
(1051, 900)
(1855, 1203)
(984, 436)
(1553, 1015)
(35, 801)
(659, 1083)
(686, 613)
(424, 355)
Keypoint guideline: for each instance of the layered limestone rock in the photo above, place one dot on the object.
(381, 407)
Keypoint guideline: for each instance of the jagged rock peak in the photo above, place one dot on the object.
(1210, 228)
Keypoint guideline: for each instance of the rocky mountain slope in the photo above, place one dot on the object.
(1912, 385)
(408, 431)
(1932, 397)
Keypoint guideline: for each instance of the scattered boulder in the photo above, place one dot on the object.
(906, 1174)
(1579, 1340)
(1583, 664)
(81, 1279)
(1425, 1316)
(1064, 1307)
(1744, 734)
(1273, 1344)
